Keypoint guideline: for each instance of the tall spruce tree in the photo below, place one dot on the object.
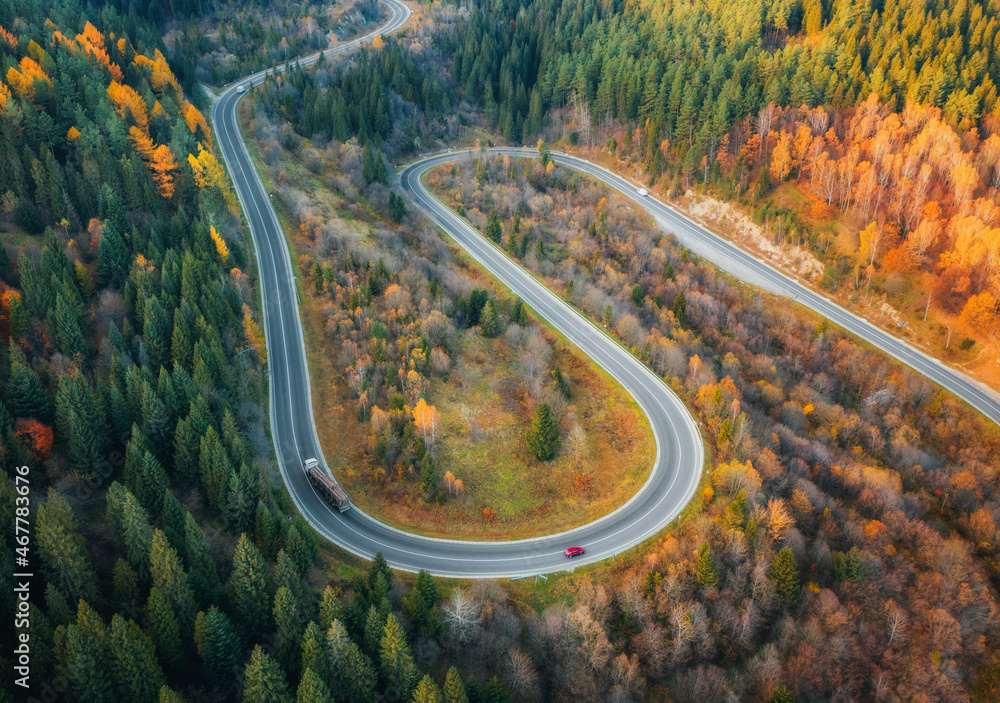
(543, 436)
(312, 689)
(489, 323)
(219, 647)
(427, 691)
(454, 689)
(169, 577)
(351, 672)
(161, 624)
(707, 572)
(264, 681)
(135, 669)
(784, 572)
(64, 556)
(396, 661)
(248, 587)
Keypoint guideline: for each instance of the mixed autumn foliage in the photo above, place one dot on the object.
(888, 110)
(850, 525)
(846, 545)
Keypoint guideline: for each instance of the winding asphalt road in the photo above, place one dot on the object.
(679, 458)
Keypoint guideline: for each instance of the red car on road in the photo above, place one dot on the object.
(573, 552)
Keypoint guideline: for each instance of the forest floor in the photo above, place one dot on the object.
(482, 441)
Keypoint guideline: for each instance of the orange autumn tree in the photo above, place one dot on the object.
(4, 97)
(143, 144)
(220, 244)
(193, 118)
(91, 42)
(8, 37)
(979, 313)
(129, 102)
(428, 421)
(160, 75)
(159, 160)
(162, 167)
(23, 81)
(35, 436)
(208, 172)
(254, 337)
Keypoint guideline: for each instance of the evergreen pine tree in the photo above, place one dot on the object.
(264, 681)
(312, 689)
(638, 296)
(608, 319)
(735, 512)
(397, 207)
(848, 566)
(83, 661)
(126, 587)
(219, 647)
(186, 448)
(135, 669)
(156, 330)
(169, 577)
(707, 572)
(494, 692)
(428, 475)
(300, 543)
(201, 568)
(422, 602)
(130, 526)
(288, 631)
(248, 587)
(112, 209)
(168, 695)
(181, 349)
(161, 624)
(784, 572)
(330, 608)
(427, 691)
(454, 689)
(213, 462)
(379, 567)
(488, 321)
(25, 396)
(781, 695)
(143, 474)
(543, 436)
(519, 313)
(351, 672)
(493, 229)
(112, 257)
(396, 661)
(81, 422)
(313, 651)
(725, 434)
(63, 552)
(68, 334)
(173, 518)
(679, 307)
(157, 424)
(374, 629)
